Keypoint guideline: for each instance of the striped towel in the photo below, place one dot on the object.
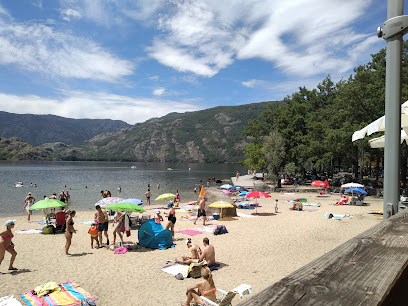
(71, 294)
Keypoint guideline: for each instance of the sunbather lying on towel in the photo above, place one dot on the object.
(208, 254)
(204, 288)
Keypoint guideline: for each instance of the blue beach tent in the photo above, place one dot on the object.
(154, 236)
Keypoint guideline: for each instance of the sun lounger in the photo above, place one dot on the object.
(224, 300)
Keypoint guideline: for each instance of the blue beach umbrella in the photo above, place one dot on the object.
(356, 190)
(226, 186)
(243, 193)
(239, 188)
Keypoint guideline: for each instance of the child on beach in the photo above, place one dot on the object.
(158, 217)
(276, 206)
(93, 231)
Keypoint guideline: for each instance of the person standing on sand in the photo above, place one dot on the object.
(148, 194)
(7, 245)
(69, 231)
(28, 201)
(101, 217)
(276, 205)
(201, 211)
(171, 216)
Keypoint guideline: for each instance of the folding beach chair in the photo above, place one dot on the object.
(224, 301)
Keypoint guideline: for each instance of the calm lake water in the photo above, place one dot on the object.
(85, 180)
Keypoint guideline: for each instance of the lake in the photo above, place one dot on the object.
(85, 180)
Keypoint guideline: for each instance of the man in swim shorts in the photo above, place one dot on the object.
(101, 218)
(201, 210)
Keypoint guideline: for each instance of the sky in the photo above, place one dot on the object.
(133, 60)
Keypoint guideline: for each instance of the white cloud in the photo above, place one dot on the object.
(154, 77)
(94, 105)
(39, 48)
(251, 83)
(67, 14)
(300, 37)
(159, 91)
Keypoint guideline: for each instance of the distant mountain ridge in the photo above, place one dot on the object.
(210, 135)
(40, 129)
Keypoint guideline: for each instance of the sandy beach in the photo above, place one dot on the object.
(258, 250)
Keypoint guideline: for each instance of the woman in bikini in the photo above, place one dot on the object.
(118, 220)
(70, 230)
(171, 216)
(7, 245)
(204, 288)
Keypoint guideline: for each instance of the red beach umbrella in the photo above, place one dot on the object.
(318, 183)
(257, 194)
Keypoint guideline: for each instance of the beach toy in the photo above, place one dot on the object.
(121, 250)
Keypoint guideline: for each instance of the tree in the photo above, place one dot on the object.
(274, 151)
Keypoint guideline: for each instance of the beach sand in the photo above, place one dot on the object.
(257, 250)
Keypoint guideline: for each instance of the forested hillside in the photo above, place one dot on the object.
(211, 135)
(40, 129)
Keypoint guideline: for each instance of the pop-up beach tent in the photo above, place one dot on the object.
(154, 236)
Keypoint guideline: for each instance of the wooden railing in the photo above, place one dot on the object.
(369, 269)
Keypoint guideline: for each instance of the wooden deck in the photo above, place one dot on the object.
(369, 269)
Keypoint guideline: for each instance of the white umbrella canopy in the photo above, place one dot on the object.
(352, 185)
(379, 124)
(380, 141)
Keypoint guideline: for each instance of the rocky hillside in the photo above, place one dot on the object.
(16, 149)
(211, 135)
(40, 129)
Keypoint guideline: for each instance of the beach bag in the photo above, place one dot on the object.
(49, 229)
(220, 229)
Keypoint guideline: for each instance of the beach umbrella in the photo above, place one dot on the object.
(239, 188)
(226, 186)
(45, 204)
(356, 190)
(226, 191)
(243, 193)
(221, 205)
(317, 183)
(165, 197)
(257, 194)
(352, 185)
(127, 207)
(108, 201)
(132, 201)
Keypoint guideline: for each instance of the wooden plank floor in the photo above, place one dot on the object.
(362, 271)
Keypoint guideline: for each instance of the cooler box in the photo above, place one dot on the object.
(216, 216)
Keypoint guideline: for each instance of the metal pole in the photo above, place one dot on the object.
(392, 114)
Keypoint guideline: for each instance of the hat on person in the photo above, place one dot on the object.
(157, 211)
(169, 204)
(29, 193)
(10, 222)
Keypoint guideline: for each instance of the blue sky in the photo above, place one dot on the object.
(133, 60)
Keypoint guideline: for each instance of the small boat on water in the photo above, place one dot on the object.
(18, 185)
(133, 167)
(169, 169)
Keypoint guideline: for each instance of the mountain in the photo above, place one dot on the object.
(210, 135)
(15, 149)
(40, 129)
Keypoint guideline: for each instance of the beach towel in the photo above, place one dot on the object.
(205, 229)
(314, 205)
(30, 231)
(337, 217)
(71, 294)
(194, 270)
(9, 301)
(189, 232)
(176, 268)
